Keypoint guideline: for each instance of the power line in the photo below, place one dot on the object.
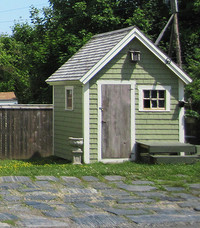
(20, 20)
(5, 11)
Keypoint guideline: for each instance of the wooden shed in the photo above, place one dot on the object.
(119, 88)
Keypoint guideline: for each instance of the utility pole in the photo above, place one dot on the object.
(174, 33)
(174, 7)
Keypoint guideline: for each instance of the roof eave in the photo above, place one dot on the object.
(135, 32)
(62, 82)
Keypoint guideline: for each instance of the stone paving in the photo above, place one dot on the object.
(88, 202)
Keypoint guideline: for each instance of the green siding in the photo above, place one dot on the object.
(150, 126)
(66, 123)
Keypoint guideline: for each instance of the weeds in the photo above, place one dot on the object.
(60, 167)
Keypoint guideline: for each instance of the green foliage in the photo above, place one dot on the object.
(13, 71)
(191, 113)
(193, 90)
(56, 32)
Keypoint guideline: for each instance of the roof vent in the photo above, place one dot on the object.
(134, 55)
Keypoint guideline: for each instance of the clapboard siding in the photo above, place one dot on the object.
(66, 123)
(149, 71)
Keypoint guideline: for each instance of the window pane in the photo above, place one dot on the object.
(69, 99)
(154, 93)
(161, 94)
(161, 103)
(146, 103)
(154, 103)
(146, 93)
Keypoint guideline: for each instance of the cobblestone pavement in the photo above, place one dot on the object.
(88, 202)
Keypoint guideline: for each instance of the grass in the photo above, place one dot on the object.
(170, 173)
(10, 222)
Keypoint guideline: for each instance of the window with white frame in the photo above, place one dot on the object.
(69, 97)
(154, 98)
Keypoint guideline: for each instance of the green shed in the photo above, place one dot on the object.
(119, 88)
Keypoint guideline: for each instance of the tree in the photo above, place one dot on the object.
(13, 71)
(190, 43)
(58, 31)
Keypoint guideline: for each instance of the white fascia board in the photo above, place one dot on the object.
(143, 39)
(181, 74)
(64, 82)
(110, 55)
(163, 57)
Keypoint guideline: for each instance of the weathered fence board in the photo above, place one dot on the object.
(25, 130)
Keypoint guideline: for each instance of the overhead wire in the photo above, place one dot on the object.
(16, 9)
(74, 14)
(5, 11)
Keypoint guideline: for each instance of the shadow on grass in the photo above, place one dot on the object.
(37, 159)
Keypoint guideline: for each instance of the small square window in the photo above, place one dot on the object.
(154, 98)
(69, 97)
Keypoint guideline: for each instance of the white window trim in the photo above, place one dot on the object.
(69, 88)
(153, 87)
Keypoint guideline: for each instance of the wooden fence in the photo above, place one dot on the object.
(25, 130)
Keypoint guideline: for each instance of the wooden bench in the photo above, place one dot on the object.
(171, 152)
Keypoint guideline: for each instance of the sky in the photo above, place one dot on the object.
(11, 10)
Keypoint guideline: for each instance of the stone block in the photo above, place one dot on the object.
(89, 178)
(70, 179)
(47, 178)
(99, 220)
(173, 189)
(126, 212)
(38, 205)
(113, 178)
(141, 182)
(58, 214)
(136, 188)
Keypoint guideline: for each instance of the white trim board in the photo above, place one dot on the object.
(112, 82)
(86, 123)
(135, 32)
(181, 113)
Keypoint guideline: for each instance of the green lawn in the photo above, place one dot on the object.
(60, 167)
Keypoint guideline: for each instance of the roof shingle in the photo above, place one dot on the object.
(4, 96)
(89, 55)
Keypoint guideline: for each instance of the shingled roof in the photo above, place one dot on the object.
(90, 54)
(7, 96)
(99, 50)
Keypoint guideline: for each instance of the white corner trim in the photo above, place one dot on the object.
(53, 127)
(133, 137)
(143, 39)
(154, 87)
(181, 114)
(86, 123)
